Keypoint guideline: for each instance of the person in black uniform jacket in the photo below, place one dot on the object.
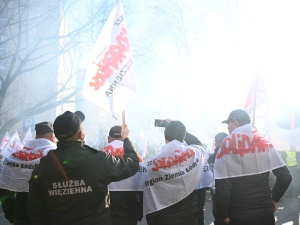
(219, 137)
(126, 198)
(247, 199)
(201, 193)
(69, 186)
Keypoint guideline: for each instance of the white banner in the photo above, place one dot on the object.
(172, 175)
(134, 183)
(110, 80)
(17, 167)
(245, 152)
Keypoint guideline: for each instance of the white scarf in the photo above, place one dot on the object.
(245, 152)
(134, 183)
(172, 175)
(17, 167)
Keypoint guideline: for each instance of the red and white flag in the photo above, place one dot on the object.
(177, 171)
(17, 167)
(110, 81)
(257, 100)
(134, 183)
(28, 137)
(245, 152)
(4, 141)
(12, 146)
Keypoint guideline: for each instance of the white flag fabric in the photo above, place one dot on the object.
(12, 146)
(134, 183)
(172, 175)
(5, 140)
(245, 152)
(18, 166)
(28, 137)
(110, 81)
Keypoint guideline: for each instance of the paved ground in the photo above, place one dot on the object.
(288, 213)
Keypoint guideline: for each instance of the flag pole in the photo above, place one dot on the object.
(254, 104)
(123, 117)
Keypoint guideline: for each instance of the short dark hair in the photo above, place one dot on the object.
(219, 137)
(175, 130)
(115, 132)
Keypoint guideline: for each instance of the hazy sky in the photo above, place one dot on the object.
(228, 46)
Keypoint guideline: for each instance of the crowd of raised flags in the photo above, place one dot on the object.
(11, 144)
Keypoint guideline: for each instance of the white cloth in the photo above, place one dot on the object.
(207, 178)
(245, 152)
(110, 77)
(134, 183)
(18, 167)
(172, 175)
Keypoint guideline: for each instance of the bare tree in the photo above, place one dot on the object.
(31, 45)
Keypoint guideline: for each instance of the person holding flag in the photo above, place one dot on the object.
(126, 196)
(172, 178)
(17, 170)
(242, 166)
(70, 185)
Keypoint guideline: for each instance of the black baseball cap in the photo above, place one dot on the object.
(44, 128)
(115, 132)
(239, 115)
(67, 124)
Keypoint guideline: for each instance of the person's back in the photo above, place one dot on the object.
(126, 196)
(183, 212)
(17, 171)
(173, 175)
(219, 137)
(242, 167)
(70, 184)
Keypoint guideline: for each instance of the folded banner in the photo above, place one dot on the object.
(134, 183)
(172, 175)
(245, 152)
(109, 81)
(18, 166)
(207, 179)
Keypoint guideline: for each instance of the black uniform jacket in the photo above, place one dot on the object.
(69, 186)
(250, 197)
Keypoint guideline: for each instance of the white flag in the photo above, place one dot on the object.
(5, 140)
(12, 146)
(109, 81)
(27, 137)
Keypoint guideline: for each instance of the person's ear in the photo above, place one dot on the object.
(81, 135)
(53, 138)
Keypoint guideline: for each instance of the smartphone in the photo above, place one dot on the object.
(160, 123)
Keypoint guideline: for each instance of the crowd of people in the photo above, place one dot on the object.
(65, 181)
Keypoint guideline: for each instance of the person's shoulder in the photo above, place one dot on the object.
(93, 150)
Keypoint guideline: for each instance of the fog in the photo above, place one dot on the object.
(195, 61)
